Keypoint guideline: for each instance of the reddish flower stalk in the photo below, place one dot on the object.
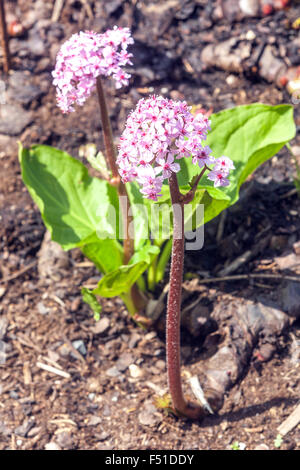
(190, 410)
(158, 133)
(4, 39)
(111, 158)
(137, 297)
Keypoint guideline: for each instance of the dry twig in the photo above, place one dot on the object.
(4, 38)
(57, 9)
(18, 273)
(53, 370)
(290, 422)
(88, 9)
(238, 277)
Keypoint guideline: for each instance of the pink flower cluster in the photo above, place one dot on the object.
(83, 58)
(158, 133)
(221, 171)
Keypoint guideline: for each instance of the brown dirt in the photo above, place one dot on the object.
(104, 402)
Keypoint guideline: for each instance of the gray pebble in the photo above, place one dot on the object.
(14, 119)
(79, 345)
(101, 326)
(113, 372)
(42, 309)
(52, 446)
(124, 362)
(149, 415)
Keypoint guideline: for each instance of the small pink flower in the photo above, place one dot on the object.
(166, 166)
(202, 156)
(218, 177)
(151, 184)
(224, 164)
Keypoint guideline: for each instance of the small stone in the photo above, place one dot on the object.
(226, 55)
(75, 304)
(35, 45)
(3, 327)
(103, 436)
(124, 361)
(113, 372)
(160, 364)
(94, 421)
(53, 356)
(134, 339)
(111, 6)
(230, 9)
(293, 87)
(270, 67)
(4, 429)
(43, 64)
(25, 427)
(14, 119)
(296, 151)
(106, 411)
(262, 447)
(232, 80)
(249, 7)
(79, 345)
(42, 309)
(64, 350)
(93, 384)
(2, 291)
(250, 35)
(135, 371)
(291, 299)
(101, 326)
(115, 397)
(5, 348)
(149, 415)
(64, 440)
(21, 88)
(52, 446)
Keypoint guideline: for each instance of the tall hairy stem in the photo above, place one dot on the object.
(174, 306)
(137, 297)
(111, 158)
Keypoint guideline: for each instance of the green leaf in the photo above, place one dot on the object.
(120, 281)
(249, 135)
(106, 254)
(89, 298)
(98, 162)
(78, 210)
(146, 253)
(278, 441)
(141, 210)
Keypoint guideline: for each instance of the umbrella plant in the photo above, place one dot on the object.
(134, 216)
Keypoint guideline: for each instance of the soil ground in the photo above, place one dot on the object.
(107, 375)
